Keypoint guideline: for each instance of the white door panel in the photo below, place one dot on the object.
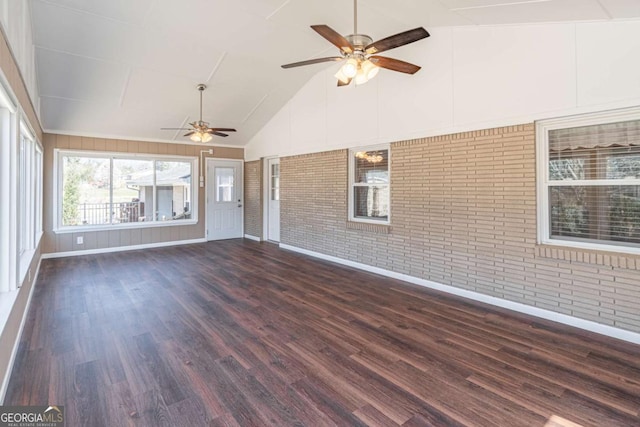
(224, 199)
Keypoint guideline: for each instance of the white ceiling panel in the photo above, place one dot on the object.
(338, 14)
(155, 91)
(129, 67)
(76, 77)
(549, 11)
(131, 11)
(622, 8)
(231, 103)
(74, 32)
(474, 4)
(422, 13)
(160, 51)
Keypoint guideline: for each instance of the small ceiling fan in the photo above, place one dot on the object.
(359, 51)
(199, 130)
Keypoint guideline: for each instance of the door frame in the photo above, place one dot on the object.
(266, 189)
(209, 160)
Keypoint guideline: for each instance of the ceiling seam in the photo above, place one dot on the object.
(84, 12)
(604, 9)
(125, 87)
(253, 110)
(215, 67)
(272, 14)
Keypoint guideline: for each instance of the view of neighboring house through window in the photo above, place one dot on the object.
(593, 184)
(102, 189)
(369, 193)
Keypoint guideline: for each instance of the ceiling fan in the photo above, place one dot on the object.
(199, 130)
(360, 52)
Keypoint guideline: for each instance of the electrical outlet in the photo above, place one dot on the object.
(80, 240)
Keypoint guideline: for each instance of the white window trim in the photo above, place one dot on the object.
(57, 190)
(542, 159)
(352, 170)
(32, 206)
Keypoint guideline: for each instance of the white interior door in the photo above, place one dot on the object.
(224, 199)
(273, 229)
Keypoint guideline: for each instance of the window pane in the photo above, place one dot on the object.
(372, 167)
(173, 190)
(275, 181)
(596, 213)
(371, 202)
(132, 190)
(85, 191)
(225, 190)
(607, 151)
(22, 196)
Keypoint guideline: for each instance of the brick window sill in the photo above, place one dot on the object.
(373, 228)
(609, 259)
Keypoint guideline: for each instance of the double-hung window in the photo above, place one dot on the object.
(110, 190)
(369, 189)
(589, 181)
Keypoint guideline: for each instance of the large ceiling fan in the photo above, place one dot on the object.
(360, 52)
(200, 130)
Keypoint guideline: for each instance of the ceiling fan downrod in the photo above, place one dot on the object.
(201, 88)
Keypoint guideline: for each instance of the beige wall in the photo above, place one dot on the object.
(66, 242)
(253, 189)
(463, 213)
(9, 331)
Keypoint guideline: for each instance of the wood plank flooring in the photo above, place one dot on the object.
(239, 333)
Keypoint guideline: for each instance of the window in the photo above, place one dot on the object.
(589, 191)
(369, 190)
(100, 189)
(29, 197)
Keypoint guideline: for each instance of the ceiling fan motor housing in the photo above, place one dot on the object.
(359, 41)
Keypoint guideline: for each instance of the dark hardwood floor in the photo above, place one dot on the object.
(239, 333)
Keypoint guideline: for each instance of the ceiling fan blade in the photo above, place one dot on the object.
(221, 129)
(224, 135)
(313, 61)
(334, 37)
(341, 83)
(175, 128)
(394, 64)
(189, 133)
(397, 40)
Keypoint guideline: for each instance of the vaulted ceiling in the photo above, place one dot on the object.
(126, 68)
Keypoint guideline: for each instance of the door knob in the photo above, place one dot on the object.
(239, 206)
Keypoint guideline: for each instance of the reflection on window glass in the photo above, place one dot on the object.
(605, 205)
(224, 184)
(371, 185)
(596, 212)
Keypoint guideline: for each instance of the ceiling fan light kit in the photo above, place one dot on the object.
(359, 50)
(200, 130)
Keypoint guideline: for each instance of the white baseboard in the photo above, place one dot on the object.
(250, 237)
(587, 325)
(16, 343)
(122, 248)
